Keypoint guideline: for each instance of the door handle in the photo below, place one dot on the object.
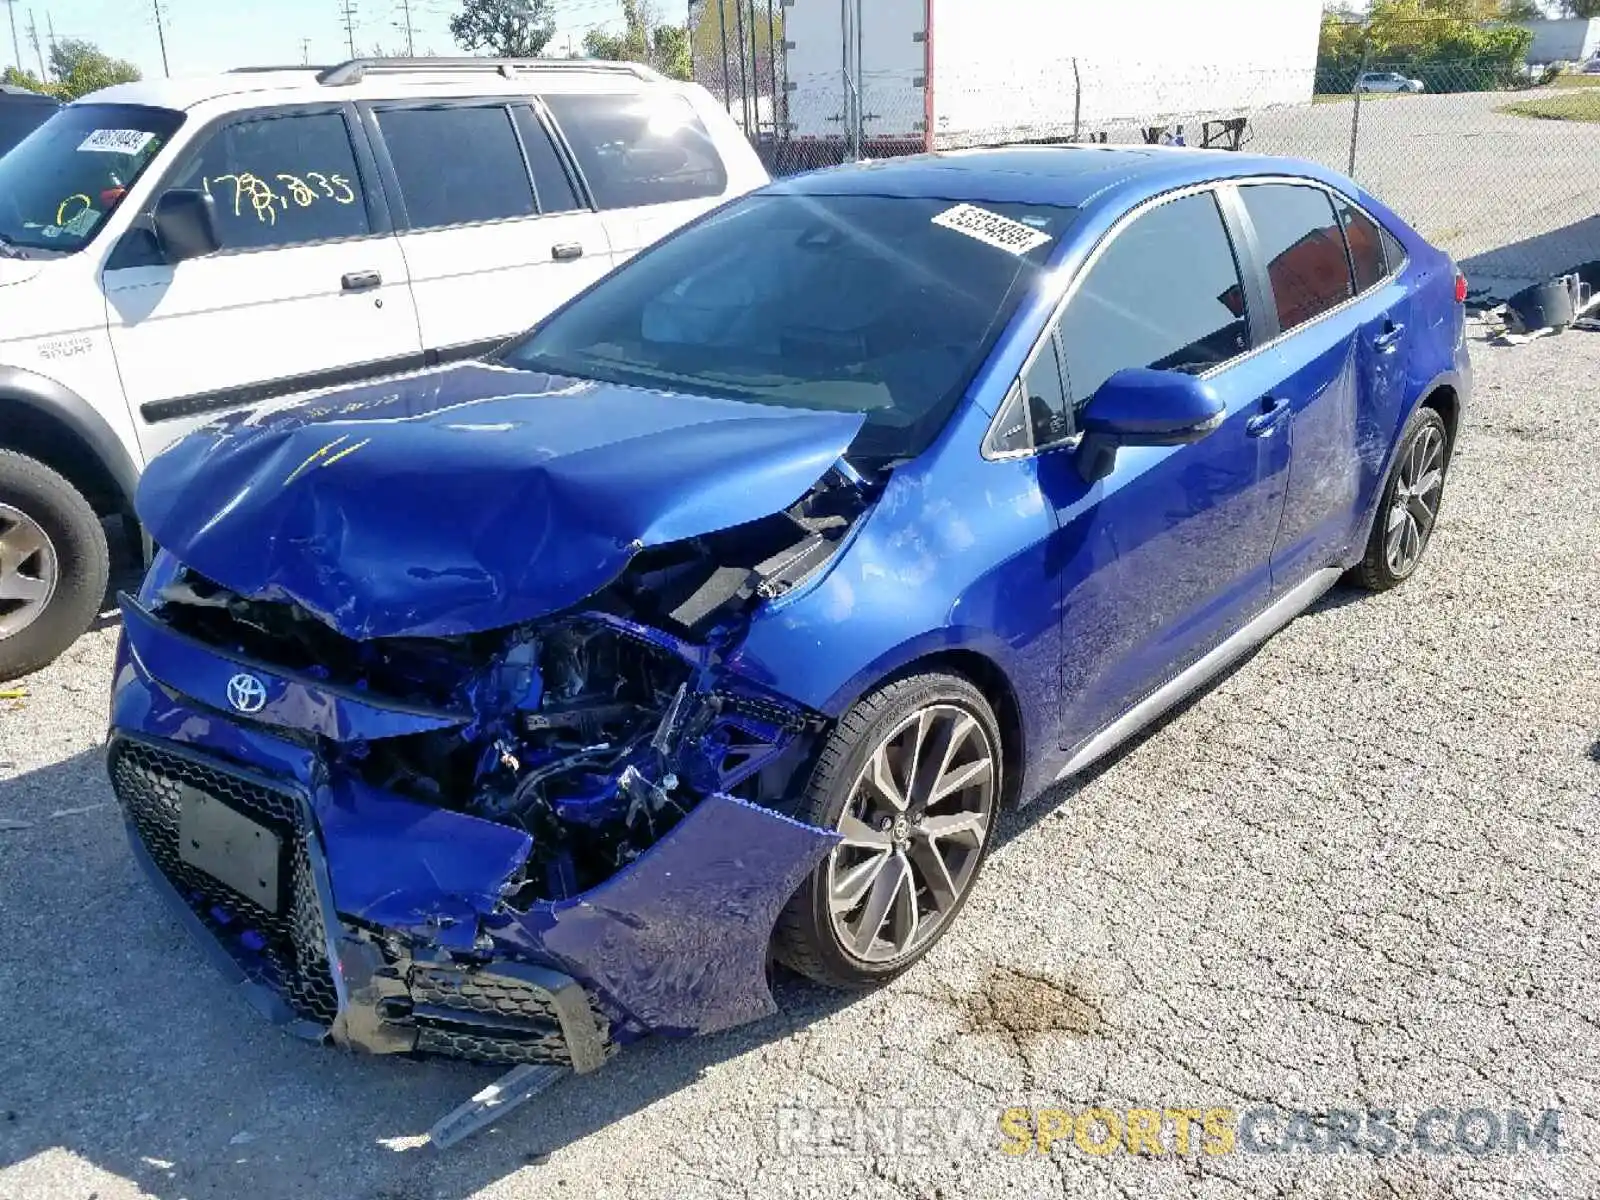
(566, 251)
(1272, 414)
(1390, 337)
(362, 281)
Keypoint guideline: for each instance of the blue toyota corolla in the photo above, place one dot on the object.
(514, 710)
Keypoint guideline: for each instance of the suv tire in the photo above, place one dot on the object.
(54, 564)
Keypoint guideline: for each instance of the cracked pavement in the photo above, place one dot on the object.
(1357, 873)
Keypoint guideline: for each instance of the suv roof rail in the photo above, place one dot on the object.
(357, 69)
(270, 69)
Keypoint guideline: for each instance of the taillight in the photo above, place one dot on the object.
(1461, 288)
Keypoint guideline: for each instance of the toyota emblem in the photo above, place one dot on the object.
(247, 693)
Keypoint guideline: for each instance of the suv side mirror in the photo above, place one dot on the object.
(1141, 407)
(186, 224)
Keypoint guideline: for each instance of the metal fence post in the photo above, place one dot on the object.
(1355, 118)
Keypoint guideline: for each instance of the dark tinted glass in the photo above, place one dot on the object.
(1394, 254)
(871, 304)
(1366, 245)
(1300, 239)
(1049, 410)
(58, 186)
(281, 181)
(1165, 294)
(457, 165)
(555, 190)
(19, 118)
(640, 149)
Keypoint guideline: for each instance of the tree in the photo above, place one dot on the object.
(1521, 10)
(644, 39)
(81, 67)
(1580, 8)
(505, 28)
(13, 77)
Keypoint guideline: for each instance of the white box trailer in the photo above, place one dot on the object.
(934, 74)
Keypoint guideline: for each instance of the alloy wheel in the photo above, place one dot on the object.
(914, 827)
(1415, 507)
(28, 570)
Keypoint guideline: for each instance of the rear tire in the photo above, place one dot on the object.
(54, 564)
(888, 778)
(1409, 507)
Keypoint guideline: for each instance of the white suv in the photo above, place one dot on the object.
(172, 249)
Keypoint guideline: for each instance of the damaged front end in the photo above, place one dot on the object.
(522, 845)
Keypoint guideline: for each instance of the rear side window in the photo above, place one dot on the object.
(457, 166)
(1303, 247)
(550, 179)
(1394, 254)
(281, 181)
(1366, 245)
(1165, 294)
(640, 149)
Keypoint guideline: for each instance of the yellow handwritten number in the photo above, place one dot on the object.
(61, 212)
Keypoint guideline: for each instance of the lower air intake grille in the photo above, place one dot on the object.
(286, 950)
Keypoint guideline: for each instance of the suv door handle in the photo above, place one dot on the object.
(362, 281)
(1390, 337)
(566, 251)
(1272, 414)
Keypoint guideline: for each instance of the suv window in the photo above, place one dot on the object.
(550, 179)
(640, 149)
(281, 181)
(457, 165)
(1366, 245)
(1166, 294)
(1305, 252)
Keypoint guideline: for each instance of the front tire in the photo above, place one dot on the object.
(54, 564)
(1409, 509)
(912, 778)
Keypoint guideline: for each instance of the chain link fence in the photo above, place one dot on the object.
(1500, 167)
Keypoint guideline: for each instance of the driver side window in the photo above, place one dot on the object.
(1165, 294)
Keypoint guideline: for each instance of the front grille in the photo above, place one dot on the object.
(489, 1017)
(285, 951)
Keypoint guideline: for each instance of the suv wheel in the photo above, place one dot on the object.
(54, 564)
(912, 778)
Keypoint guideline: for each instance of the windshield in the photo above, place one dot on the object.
(59, 185)
(872, 304)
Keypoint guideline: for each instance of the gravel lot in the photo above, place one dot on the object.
(1359, 872)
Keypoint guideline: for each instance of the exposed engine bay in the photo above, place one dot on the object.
(594, 730)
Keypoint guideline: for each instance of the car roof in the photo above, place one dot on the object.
(257, 87)
(1068, 176)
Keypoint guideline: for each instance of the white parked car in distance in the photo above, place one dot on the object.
(1388, 81)
(171, 249)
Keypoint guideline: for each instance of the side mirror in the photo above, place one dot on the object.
(186, 224)
(1141, 407)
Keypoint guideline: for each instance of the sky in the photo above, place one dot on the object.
(213, 35)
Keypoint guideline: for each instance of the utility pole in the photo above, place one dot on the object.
(33, 36)
(161, 36)
(348, 8)
(305, 51)
(50, 36)
(16, 44)
(411, 45)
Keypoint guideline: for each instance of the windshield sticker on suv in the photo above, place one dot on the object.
(991, 228)
(116, 141)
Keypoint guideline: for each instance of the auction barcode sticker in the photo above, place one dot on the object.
(116, 141)
(992, 228)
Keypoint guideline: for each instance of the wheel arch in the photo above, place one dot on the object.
(59, 428)
(1444, 398)
(969, 660)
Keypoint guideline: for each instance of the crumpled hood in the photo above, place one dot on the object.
(472, 497)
